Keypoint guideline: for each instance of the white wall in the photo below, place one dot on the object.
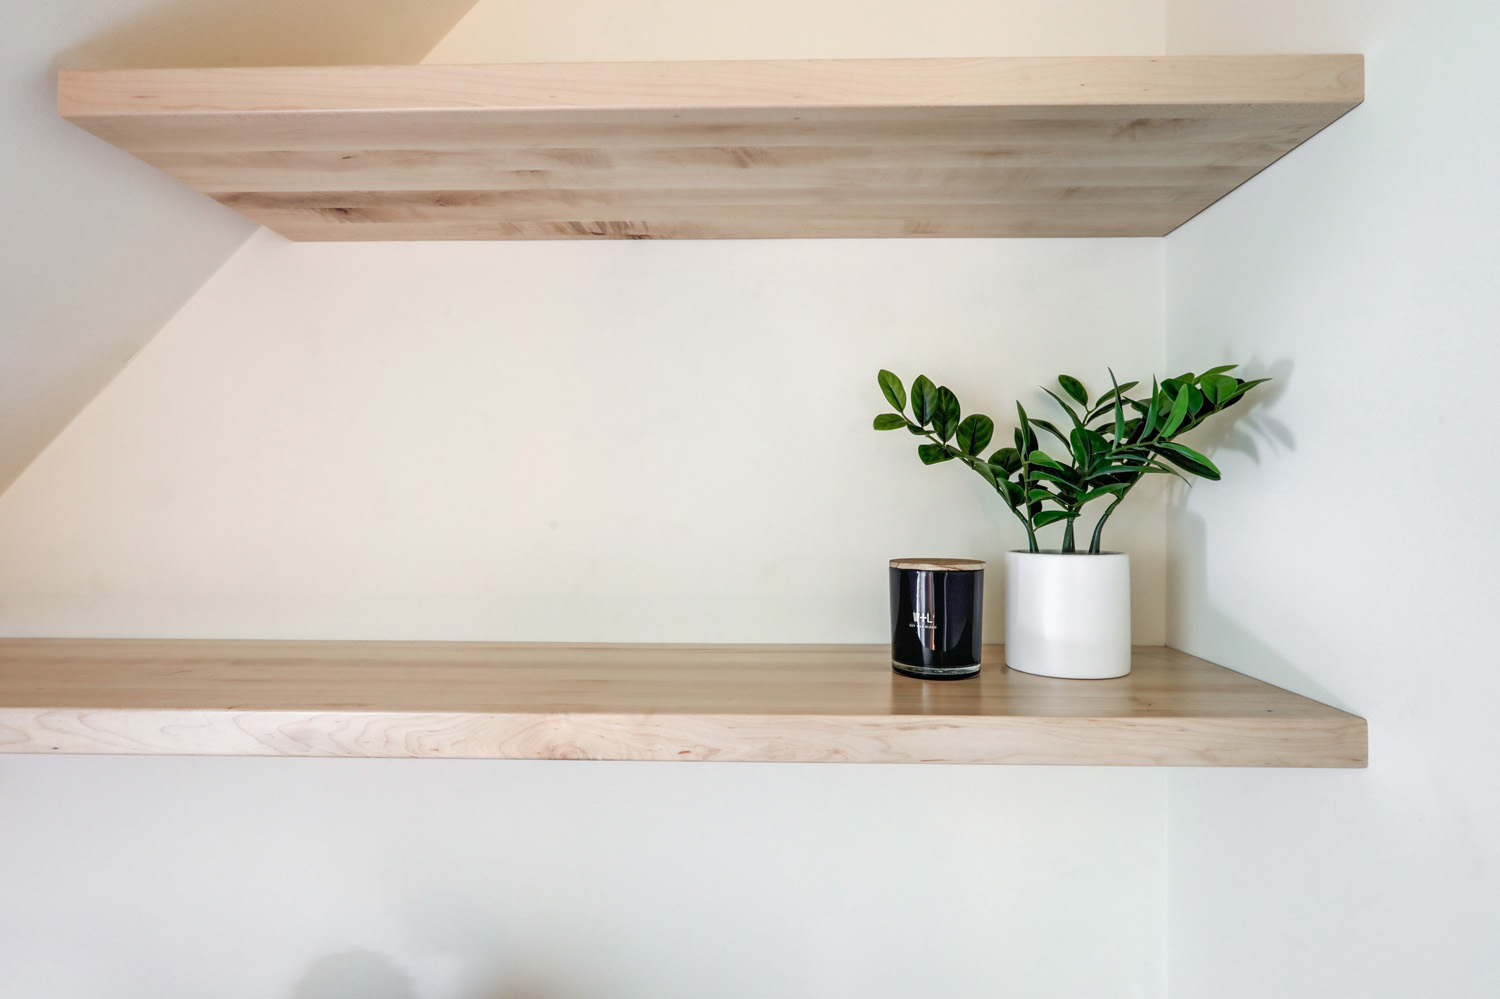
(160, 878)
(98, 249)
(657, 441)
(660, 441)
(1350, 552)
(628, 441)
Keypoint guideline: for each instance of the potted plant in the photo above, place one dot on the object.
(1067, 612)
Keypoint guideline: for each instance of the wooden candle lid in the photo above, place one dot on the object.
(938, 564)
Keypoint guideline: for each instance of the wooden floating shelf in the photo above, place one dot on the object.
(1089, 146)
(762, 703)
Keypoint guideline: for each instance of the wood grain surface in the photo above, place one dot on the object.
(1088, 146)
(771, 703)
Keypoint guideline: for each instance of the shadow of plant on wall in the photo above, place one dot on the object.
(355, 974)
(1236, 645)
(365, 974)
(1250, 428)
(1250, 433)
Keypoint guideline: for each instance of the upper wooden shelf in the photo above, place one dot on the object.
(1089, 146)
(769, 703)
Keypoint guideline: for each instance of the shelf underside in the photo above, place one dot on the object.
(752, 703)
(1090, 146)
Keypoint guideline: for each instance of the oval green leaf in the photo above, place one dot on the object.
(945, 419)
(923, 400)
(1188, 460)
(1178, 414)
(894, 391)
(1074, 388)
(1007, 458)
(1218, 388)
(931, 454)
(975, 433)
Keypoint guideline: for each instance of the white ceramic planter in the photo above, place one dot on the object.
(1068, 615)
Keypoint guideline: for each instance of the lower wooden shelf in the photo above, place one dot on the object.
(747, 703)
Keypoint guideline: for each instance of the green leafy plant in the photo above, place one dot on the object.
(1111, 443)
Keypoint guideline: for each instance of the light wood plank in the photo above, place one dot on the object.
(629, 148)
(1037, 129)
(762, 228)
(785, 83)
(312, 172)
(641, 702)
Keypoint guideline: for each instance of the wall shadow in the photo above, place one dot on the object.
(365, 974)
(1188, 572)
(355, 974)
(1249, 426)
(1253, 432)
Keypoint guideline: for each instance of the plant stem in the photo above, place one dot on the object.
(1026, 501)
(1067, 542)
(1099, 527)
(1030, 534)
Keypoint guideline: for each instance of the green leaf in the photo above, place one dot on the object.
(945, 419)
(1013, 494)
(1066, 408)
(986, 471)
(1082, 450)
(1025, 436)
(1188, 460)
(1218, 388)
(975, 433)
(1007, 458)
(1052, 516)
(1062, 476)
(1074, 388)
(1239, 392)
(1196, 400)
(1041, 494)
(1153, 413)
(1216, 371)
(1051, 428)
(1178, 414)
(895, 392)
(931, 454)
(1119, 408)
(1110, 475)
(1100, 402)
(890, 421)
(1102, 491)
(923, 400)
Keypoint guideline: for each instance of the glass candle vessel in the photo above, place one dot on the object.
(936, 610)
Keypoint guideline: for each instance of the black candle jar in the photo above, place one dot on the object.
(936, 610)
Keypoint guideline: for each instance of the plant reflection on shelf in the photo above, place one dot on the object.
(1069, 616)
(1112, 444)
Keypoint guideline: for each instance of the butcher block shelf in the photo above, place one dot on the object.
(1088, 146)
(762, 703)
